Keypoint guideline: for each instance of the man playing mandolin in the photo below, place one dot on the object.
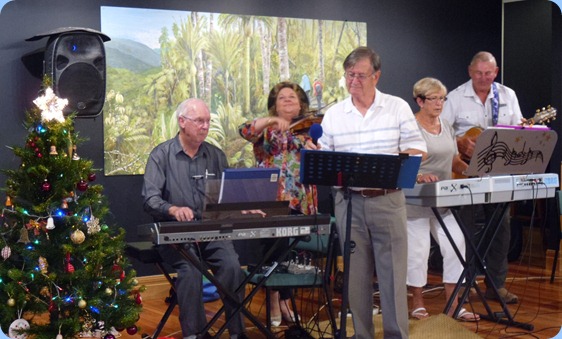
(481, 103)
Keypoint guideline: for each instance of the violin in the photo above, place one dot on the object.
(302, 124)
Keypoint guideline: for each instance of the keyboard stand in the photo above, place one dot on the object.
(492, 225)
(230, 297)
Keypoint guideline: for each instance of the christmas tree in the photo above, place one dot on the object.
(63, 272)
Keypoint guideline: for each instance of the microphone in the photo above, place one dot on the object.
(315, 132)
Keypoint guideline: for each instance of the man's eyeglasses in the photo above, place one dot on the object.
(358, 76)
(198, 122)
(432, 99)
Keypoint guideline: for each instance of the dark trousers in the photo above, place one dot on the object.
(475, 219)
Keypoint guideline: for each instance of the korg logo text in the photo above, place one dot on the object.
(286, 231)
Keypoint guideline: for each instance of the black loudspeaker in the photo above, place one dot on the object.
(75, 61)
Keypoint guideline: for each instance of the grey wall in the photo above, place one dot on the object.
(414, 38)
(532, 58)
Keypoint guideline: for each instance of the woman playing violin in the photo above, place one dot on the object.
(277, 144)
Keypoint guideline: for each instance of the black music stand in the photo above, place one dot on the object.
(348, 170)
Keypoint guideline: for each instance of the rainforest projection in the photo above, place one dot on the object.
(157, 58)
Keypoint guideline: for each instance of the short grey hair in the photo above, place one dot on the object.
(426, 85)
(483, 56)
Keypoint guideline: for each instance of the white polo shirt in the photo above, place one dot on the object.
(464, 110)
(388, 127)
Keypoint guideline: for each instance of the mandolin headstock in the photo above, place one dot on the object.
(544, 115)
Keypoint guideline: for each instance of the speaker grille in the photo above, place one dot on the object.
(76, 63)
(83, 85)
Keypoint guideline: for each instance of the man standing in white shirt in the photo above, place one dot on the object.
(481, 103)
(372, 122)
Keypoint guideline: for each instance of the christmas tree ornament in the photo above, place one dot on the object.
(50, 223)
(51, 106)
(77, 237)
(46, 187)
(64, 204)
(59, 336)
(52, 307)
(138, 299)
(8, 201)
(70, 268)
(109, 336)
(11, 302)
(45, 292)
(6, 252)
(132, 330)
(92, 176)
(93, 225)
(108, 291)
(24, 236)
(43, 265)
(39, 155)
(134, 282)
(53, 150)
(17, 329)
(82, 303)
(35, 226)
(82, 185)
(75, 155)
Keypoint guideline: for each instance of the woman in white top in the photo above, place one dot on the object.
(442, 159)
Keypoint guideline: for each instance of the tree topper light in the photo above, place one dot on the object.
(51, 106)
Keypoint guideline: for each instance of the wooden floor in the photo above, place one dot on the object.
(539, 307)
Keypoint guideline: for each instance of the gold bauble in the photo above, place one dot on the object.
(78, 237)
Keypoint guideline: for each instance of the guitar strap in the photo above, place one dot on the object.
(495, 104)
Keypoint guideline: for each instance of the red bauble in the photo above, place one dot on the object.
(52, 307)
(39, 155)
(69, 267)
(82, 185)
(138, 299)
(46, 187)
(91, 176)
(109, 336)
(132, 330)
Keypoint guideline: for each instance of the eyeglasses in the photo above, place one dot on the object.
(432, 99)
(198, 122)
(358, 76)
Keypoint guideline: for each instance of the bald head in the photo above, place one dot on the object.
(190, 106)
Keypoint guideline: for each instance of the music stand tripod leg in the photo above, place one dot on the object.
(342, 332)
(331, 266)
